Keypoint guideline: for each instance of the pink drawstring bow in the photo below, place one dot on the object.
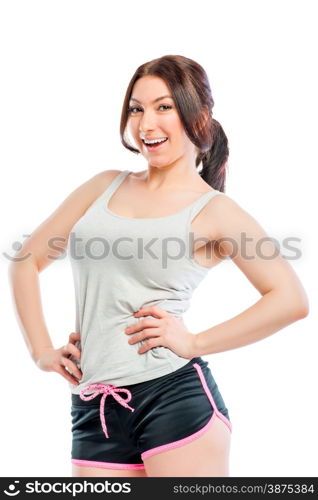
(106, 390)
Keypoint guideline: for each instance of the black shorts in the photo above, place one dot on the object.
(145, 418)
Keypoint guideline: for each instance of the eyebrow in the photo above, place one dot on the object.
(158, 98)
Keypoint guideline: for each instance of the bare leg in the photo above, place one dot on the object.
(206, 456)
(80, 471)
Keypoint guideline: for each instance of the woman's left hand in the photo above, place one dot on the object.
(165, 330)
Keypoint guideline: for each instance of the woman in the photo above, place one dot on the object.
(139, 245)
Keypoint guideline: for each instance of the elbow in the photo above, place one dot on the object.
(301, 309)
(293, 305)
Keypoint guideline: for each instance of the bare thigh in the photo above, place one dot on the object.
(206, 456)
(79, 471)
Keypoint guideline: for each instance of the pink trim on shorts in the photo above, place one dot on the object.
(208, 393)
(106, 465)
(192, 437)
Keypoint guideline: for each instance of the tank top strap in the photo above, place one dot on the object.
(201, 202)
(115, 183)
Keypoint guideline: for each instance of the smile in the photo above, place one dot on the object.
(153, 147)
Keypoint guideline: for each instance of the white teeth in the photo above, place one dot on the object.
(154, 141)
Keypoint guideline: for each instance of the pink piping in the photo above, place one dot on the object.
(208, 393)
(197, 434)
(106, 390)
(106, 465)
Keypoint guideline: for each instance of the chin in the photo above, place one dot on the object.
(159, 165)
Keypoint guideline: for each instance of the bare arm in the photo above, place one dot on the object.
(23, 274)
(26, 298)
(284, 299)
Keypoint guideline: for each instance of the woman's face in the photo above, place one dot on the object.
(153, 120)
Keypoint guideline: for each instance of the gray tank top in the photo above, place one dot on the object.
(120, 264)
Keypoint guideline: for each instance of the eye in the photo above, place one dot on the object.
(132, 108)
(167, 106)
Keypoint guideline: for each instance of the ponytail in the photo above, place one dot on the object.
(214, 160)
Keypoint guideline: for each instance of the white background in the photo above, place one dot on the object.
(65, 67)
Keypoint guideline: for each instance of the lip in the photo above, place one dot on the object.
(152, 138)
(157, 148)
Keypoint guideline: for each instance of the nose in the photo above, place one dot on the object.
(147, 122)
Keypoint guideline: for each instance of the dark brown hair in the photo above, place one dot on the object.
(191, 92)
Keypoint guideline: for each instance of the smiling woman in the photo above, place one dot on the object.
(157, 278)
(181, 111)
(165, 415)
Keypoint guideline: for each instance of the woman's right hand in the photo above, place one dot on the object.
(57, 360)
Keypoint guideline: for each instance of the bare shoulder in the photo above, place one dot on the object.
(222, 210)
(58, 225)
(99, 182)
(84, 195)
(231, 222)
